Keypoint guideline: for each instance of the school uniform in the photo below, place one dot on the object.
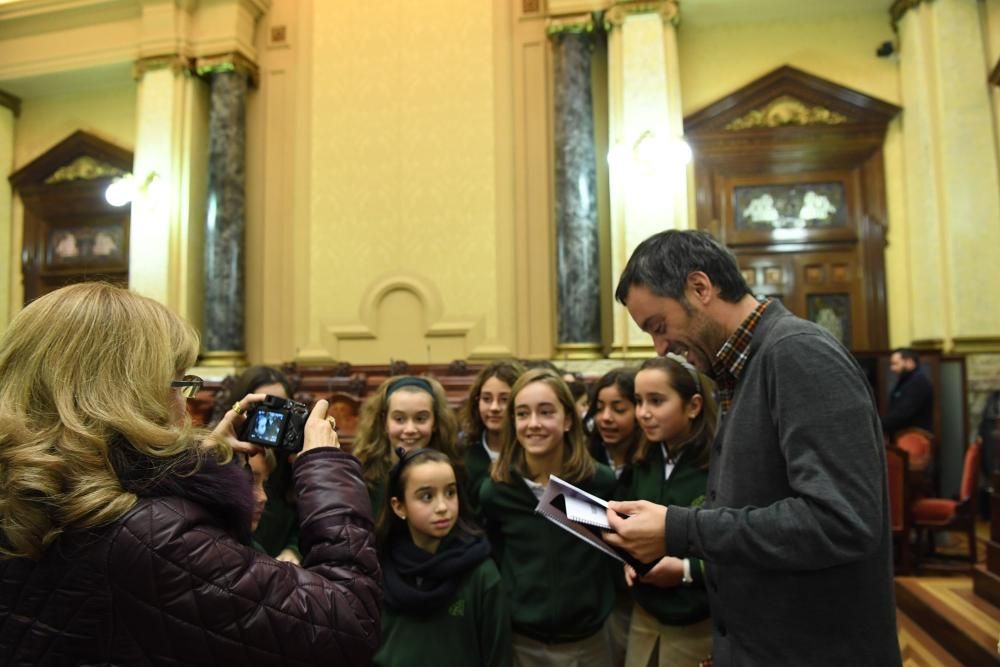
(675, 619)
(561, 588)
(478, 461)
(468, 624)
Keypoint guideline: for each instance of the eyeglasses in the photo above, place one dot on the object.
(189, 385)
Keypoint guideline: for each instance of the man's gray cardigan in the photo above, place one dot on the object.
(795, 528)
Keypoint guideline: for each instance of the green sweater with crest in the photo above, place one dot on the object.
(561, 588)
(686, 603)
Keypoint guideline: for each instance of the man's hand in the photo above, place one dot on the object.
(642, 533)
(669, 572)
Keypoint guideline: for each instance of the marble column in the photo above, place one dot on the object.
(9, 108)
(577, 258)
(225, 221)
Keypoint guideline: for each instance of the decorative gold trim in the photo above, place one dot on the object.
(9, 101)
(574, 25)
(669, 11)
(579, 351)
(178, 63)
(228, 62)
(234, 358)
(900, 7)
(786, 110)
(975, 344)
(928, 344)
(84, 168)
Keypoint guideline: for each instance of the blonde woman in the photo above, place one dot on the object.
(125, 532)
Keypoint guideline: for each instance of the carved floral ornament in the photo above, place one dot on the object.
(669, 11)
(786, 110)
(84, 168)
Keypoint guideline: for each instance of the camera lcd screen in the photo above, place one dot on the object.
(266, 426)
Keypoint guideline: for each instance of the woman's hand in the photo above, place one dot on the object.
(288, 556)
(231, 425)
(668, 573)
(319, 431)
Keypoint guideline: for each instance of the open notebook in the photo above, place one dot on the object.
(584, 515)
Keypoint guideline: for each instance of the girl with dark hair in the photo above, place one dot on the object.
(482, 420)
(615, 435)
(405, 412)
(561, 589)
(677, 414)
(277, 532)
(444, 601)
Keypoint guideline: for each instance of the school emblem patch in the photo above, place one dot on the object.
(457, 608)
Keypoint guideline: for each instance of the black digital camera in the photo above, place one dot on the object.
(276, 422)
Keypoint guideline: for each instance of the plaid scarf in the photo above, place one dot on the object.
(733, 356)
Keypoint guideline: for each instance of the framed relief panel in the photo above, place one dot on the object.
(833, 313)
(797, 208)
(99, 246)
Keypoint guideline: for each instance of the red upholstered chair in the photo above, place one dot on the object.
(897, 462)
(933, 514)
(919, 445)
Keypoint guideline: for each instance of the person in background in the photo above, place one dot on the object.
(482, 420)
(445, 603)
(614, 436)
(911, 401)
(278, 531)
(125, 531)
(795, 527)
(561, 589)
(261, 467)
(670, 622)
(406, 412)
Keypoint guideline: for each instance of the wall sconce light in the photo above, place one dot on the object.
(122, 190)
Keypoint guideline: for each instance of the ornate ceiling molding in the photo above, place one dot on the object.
(178, 63)
(669, 11)
(84, 168)
(786, 110)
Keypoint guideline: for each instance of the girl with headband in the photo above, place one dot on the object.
(407, 412)
(677, 416)
(444, 601)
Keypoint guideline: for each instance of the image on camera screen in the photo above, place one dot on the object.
(267, 426)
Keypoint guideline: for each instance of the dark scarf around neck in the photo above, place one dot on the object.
(419, 582)
(226, 491)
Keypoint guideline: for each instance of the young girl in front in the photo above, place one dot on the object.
(482, 421)
(444, 600)
(614, 441)
(670, 621)
(407, 412)
(561, 589)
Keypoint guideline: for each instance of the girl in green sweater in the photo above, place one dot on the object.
(670, 621)
(561, 589)
(444, 601)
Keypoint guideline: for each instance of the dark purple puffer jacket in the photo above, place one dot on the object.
(171, 583)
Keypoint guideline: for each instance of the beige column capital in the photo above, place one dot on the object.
(177, 63)
(228, 62)
(669, 11)
(574, 24)
(900, 7)
(8, 101)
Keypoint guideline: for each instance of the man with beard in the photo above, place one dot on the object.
(911, 402)
(795, 527)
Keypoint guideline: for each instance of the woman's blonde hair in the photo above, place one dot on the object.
(371, 445)
(85, 371)
(578, 465)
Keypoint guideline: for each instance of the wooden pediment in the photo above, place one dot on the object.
(80, 156)
(787, 98)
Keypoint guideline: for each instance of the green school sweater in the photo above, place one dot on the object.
(561, 588)
(687, 603)
(472, 629)
(477, 468)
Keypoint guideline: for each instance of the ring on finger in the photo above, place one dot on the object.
(237, 408)
(333, 422)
